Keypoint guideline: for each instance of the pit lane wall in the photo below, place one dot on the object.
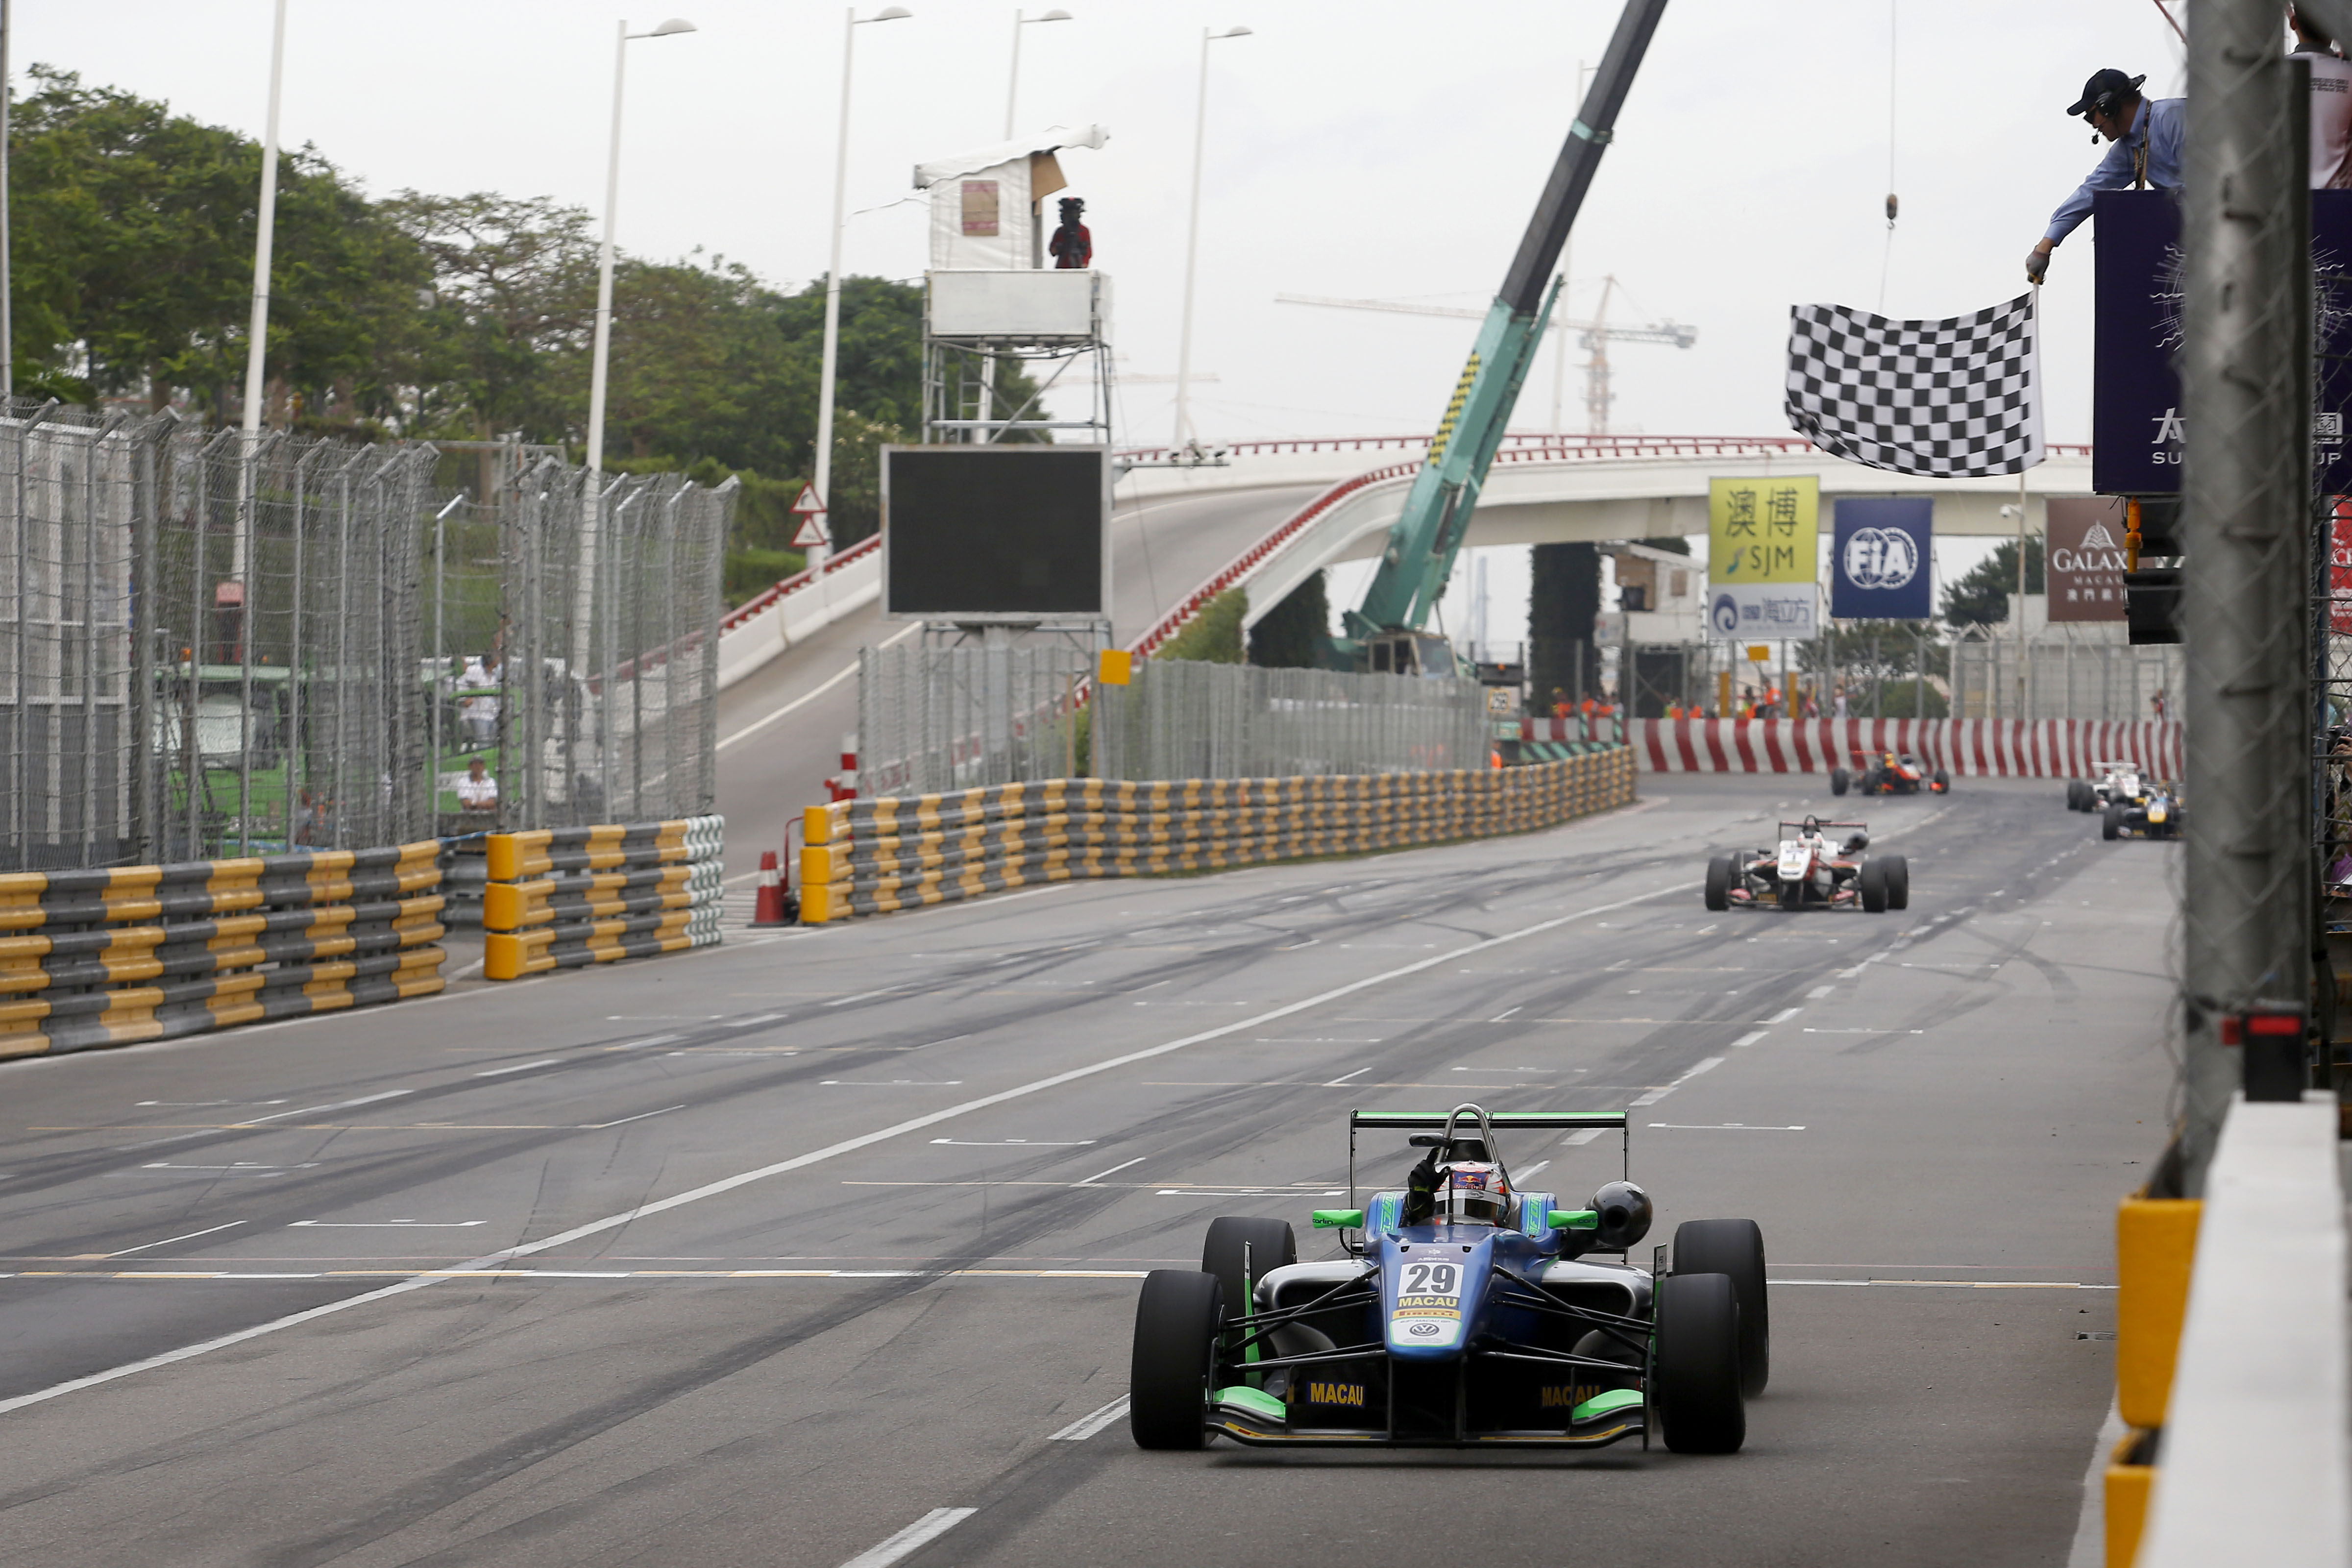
(127, 953)
(875, 857)
(1966, 747)
(563, 898)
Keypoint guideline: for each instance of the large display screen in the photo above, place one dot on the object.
(995, 532)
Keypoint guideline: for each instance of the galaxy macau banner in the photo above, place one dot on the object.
(2086, 559)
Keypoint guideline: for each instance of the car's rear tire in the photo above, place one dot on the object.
(1696, 1386)
(1898, 882)
(1943, 781)
(1719, 872)
(2075, 790)
(1839, 780)
(2111, 825)
(1873, 885)
(1271, 1244)
(1177, 1321)
(1733, 1248)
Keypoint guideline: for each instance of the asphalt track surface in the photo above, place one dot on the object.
(893, 1183)
(779, 728)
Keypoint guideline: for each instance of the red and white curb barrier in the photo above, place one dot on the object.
(1966, 747)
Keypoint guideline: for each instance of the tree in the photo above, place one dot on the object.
(1213, 636)
(1291, 635)
(1981, 597)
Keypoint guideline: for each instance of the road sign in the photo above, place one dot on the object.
(811, 530)
(809, 501)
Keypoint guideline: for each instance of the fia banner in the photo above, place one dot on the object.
(2136, 425)
(2086, 557)
(1881, 556)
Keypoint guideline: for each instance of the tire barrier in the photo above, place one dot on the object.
(1968, 748)
(562, 898)
(155, 952)
(873, 856)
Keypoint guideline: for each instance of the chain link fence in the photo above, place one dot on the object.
(210, 648)
(935, 719)
(2059, 678)
(1180, 719)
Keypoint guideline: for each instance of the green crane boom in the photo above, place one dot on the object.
(1424, 541)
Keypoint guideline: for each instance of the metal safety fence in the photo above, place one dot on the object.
(2065, 677)
(873, 856)
(211, 646)
(111, 957)
(562, 898)
(1183, 720)
(968, 716)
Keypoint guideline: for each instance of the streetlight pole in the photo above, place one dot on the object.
(257, 329)
(1192, 238)
(7, 314)
(824, 479)
(1012, 87)
(583, 596)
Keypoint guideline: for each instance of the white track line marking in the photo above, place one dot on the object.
(383, 1223)
(167, 1241)
(339, 1105)
(1340, 1082)
(917, 1535)
(1783, 1016)
(756, 725)
(1114, 1171)
(1085, 1427)
(1818, 992)
(1719, 1127)
(817, 1156)
(520, 1067)
(1751, 1038)
(640, 1116)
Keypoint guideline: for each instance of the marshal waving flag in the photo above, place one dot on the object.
(1954, 399)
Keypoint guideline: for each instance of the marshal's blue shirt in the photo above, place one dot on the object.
(2158, 128)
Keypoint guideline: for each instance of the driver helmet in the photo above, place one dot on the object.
(1473, 1194)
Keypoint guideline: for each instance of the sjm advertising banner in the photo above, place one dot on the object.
(1763, 557)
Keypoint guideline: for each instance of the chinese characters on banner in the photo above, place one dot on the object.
(1763, 557)
(2086, 558)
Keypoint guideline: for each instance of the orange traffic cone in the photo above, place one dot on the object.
(770, 908)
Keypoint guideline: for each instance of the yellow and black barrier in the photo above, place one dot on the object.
(872, 856)
(119, 956)
(562, 898)
(2156, 1251)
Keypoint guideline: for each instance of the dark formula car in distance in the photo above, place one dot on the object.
(2156, 812)
(1480, 1321)
(1889, 773)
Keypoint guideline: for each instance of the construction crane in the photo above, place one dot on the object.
(1595, 337)
(1383, 633)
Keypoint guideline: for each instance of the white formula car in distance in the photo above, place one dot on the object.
(1808, 870)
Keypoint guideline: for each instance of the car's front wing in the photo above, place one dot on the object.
(1233, 1414)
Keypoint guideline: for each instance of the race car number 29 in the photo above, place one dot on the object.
(1430, 1290)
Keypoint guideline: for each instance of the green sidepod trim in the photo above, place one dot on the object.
(1258, 1403)
(1606, 1403)
(1574, 1219)
(1338, 1220)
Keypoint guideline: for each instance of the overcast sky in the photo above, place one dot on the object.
(1365, 148)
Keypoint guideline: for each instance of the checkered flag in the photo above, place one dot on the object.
(1954, 399)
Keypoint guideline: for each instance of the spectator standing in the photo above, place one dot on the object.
(2331, 103)
(478, 791)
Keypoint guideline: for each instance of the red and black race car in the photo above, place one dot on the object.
(1889, 773)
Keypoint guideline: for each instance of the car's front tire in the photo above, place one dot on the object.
(1839, 780)
(1271, 1244)
(1898, 882)
(1719, 873)
(1943, 781)
(1697, 1378)
(1177, 1321)
(1733, 1248)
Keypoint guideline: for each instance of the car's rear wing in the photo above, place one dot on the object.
(1436, 1119)
(1589, 1122)
(1825, 826)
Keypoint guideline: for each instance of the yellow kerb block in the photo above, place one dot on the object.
(2155, 1246)
(2127, 1486)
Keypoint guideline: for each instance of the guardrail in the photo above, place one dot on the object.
(1968, 748)
(791, 613)
(155, 952)
(563, 898)
(2231, 1364)
(873, 856)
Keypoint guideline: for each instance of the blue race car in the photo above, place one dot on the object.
(1466, 1314)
